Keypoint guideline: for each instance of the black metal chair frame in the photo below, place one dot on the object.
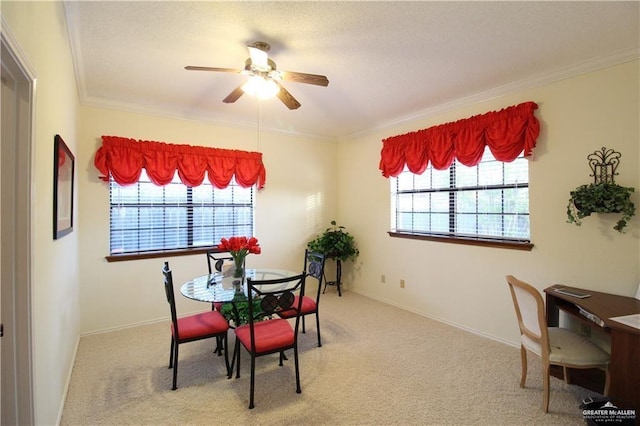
(273, 300)
(314, 267)
(215, 262)
(175, 336)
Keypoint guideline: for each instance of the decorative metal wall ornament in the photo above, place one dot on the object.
(604, 164)
(603, 195)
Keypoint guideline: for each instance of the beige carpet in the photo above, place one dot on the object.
(379, 365)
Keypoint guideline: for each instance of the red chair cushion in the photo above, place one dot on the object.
(218, 305)
(308, 307)
(204, 324)
(270, 335)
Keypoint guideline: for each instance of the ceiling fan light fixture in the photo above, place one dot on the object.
(265, 81)
(260, 87)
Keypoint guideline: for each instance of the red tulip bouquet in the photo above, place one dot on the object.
(239, 248)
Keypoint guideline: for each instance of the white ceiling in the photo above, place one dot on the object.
(386, 61)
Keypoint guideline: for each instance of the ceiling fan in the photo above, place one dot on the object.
(263, 74)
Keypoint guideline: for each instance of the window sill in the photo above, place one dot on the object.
(157, 254)
(512, 245)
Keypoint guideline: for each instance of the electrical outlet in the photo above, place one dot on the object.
(383, 279)
(401, 283)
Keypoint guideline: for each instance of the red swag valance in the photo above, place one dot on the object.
(125, 158)
(506, 132)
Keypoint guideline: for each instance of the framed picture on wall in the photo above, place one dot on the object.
(63, 169)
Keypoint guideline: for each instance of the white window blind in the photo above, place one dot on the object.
(488, 201)
(146, 218)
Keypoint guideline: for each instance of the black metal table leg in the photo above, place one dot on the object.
(236, 349)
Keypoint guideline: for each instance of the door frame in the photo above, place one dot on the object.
(21, 398)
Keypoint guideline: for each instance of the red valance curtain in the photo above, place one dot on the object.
(125, 158)
(506, 132)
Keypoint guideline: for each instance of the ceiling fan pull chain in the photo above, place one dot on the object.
(259, 118)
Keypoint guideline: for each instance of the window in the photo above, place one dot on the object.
(147, 218)
(488, 202)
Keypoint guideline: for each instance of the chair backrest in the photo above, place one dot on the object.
(314, 267)
(530, 311)
(168, 289)
(215, 261)
(275, 295)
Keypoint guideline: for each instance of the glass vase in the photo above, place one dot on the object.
(238, 272)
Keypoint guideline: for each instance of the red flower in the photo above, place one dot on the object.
(240, 246)
(253, 246)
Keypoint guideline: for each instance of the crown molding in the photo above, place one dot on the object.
(585, 67)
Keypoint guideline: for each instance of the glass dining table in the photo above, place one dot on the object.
(217, 288)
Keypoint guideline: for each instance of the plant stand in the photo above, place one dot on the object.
(337, 282)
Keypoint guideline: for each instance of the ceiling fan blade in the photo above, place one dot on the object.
(287, 98)
(234, 95)
(195, 68)
(300, 77)
(259, 57)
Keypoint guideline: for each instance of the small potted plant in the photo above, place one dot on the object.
(335, 242)
(603, 197)
(240, 314)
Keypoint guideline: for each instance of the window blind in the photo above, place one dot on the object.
(145, 217)
(487, 201)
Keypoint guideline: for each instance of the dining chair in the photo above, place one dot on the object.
(214, 264)
(266, 333)
(191, 328)
(215, 261)
(314, 267)
(554, 345)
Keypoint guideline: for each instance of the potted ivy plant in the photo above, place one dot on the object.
(335, 242)
(241, 310)
(603, 197)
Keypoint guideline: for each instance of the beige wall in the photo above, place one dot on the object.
(297, 202)
(39, 29)
(465, 285)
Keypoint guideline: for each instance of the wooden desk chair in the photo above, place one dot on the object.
(314, 267)
(555, 346)
(272, 335)
(191, 328)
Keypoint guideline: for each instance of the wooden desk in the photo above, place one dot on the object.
(624, 367)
